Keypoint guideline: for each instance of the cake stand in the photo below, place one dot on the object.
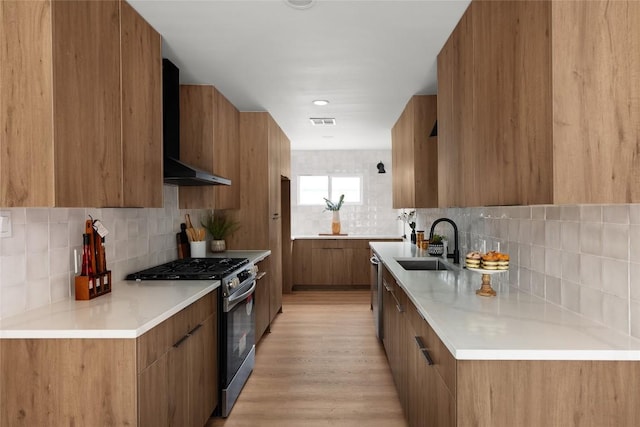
(486, 290)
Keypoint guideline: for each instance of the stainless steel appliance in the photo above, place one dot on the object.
(376, 294)
(237, 317)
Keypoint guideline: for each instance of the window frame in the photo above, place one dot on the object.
(329, 188)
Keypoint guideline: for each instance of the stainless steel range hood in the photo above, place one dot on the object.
(177, 172)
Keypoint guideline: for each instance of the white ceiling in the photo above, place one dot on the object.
(366, 57)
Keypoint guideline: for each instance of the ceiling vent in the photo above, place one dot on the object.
(323, 121)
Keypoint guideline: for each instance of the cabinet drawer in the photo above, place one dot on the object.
(325, 244)
(443, 360)
(157, 341)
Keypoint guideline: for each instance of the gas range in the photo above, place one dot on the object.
(232, 272)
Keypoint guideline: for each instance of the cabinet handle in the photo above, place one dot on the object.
(399, 308)
(193, 331)
(424, 350)
(261, 275)
(180, 341)
(386, 286)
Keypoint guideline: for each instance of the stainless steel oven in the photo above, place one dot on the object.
(237, 316)
(376, 294)
(237, 337)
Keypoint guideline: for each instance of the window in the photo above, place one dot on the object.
(312, 189)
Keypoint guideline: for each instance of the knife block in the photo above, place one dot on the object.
(102, 285)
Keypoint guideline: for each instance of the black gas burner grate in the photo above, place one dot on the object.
(191, 269)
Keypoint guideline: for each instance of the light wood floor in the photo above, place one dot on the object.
(321, 365)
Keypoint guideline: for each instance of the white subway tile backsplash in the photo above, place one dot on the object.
(37, 237)
(591, 271)
(591, 238)
(536, 212)
(634, 214)
(571, 267)
(17, 243)
(553, 212)
(13, 299)
(615, 313)
(570, 213)
(37, 293)
(538, 284)
(553, 289)
(553, 262)
(37, 265)
(615, 241)
(634, 318)
(538, 234)
(538, 258)
(570, 235)
(58, 235)
(525, 232)
(615, 277)
(13, 271)
(62, 287)
(590, 213)
(591, 303)
(634, 243)
(617, 214)
(553, 234)
(570, 296)
(35, 215)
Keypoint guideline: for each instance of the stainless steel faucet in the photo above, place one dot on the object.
(456, 252)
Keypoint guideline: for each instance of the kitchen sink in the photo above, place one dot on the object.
(422, 264)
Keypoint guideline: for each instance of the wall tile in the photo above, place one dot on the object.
(537, 258)
(570, 213)
(615, 277)
(37, 237)
(553, 262)
(617, 214)
(615, 313)
(17, 243)
(571, 267)
(538, 284)
(591, 238)
(615, 241)
(591, 271)
(570, 295)
(538, 234)
(553, 212)
(570, 235)
(553, 234)
(634, 281)
(553, 289)
(37, 293)
(635, 318)
(634, 243)
(634, 214)
(591, 303)
(591, 213)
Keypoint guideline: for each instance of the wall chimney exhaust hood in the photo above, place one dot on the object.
(175, 171)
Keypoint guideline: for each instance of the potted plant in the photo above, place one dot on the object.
(219, 226)
(410, 219)
(335, 208)
(436, 247)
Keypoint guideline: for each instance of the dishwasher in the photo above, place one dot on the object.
(376, 294)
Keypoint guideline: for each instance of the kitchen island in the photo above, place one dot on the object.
(513, 359)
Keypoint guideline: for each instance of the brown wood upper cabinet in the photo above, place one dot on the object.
(209, 140)
(81, 126)
(415, 155)
(538, 104)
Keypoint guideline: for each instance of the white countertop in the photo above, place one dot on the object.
(130, 310)
(513, 325)
(349, 236)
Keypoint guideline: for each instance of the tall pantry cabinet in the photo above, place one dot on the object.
(80, 105)
(260, 214)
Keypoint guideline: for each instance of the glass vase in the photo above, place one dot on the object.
(335, 222)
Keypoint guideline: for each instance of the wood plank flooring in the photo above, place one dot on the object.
(321, 365)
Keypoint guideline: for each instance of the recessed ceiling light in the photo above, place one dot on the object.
(300, 4)
(321, 102)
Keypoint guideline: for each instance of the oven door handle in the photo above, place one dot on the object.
(232, 300)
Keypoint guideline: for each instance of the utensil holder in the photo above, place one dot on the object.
(101, 286)
(198, 249)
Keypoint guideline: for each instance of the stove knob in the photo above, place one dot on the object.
(234, 283)
(254, 269)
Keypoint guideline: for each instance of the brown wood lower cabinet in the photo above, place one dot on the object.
(166, 377)
(441, 391)
(333, 262)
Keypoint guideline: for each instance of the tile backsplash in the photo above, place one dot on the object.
(37, 261)
(585, 258)
(373, 217)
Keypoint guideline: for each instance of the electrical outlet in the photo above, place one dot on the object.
(5, 224)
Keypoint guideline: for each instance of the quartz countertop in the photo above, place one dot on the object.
(348, 236)
(513, 325)
(131, 309)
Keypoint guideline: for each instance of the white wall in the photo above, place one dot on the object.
(585, 258)
(373, 217)
(36, 263)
